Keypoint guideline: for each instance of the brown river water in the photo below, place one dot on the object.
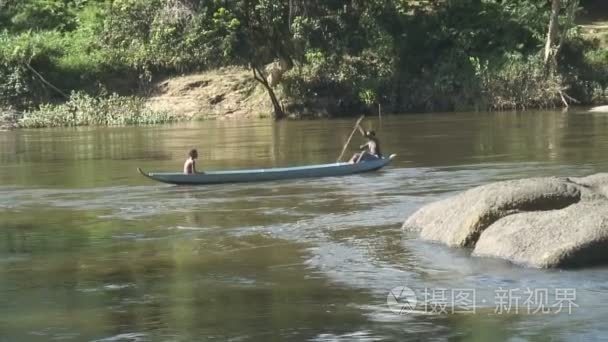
(92, 251)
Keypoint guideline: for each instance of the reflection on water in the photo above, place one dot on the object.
(90, 250)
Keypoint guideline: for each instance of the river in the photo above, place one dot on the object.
(92, 251)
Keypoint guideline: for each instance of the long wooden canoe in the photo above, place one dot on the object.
(261, 175)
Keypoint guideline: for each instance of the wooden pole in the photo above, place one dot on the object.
(361, 130)
(351, 136)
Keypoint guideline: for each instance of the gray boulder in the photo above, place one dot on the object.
(594, 186)
(460, 220)
(572, 237)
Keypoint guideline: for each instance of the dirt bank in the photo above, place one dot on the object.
(227, 93)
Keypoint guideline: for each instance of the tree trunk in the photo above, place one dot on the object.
(260, 77)
(553, 29)
(276, 70)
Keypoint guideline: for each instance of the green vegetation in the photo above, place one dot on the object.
(346, 55)
(84, 110)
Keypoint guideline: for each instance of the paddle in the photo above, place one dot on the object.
(351, 136)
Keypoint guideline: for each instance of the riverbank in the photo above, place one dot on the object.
(225, 93)
(62, 60)
(229, 93)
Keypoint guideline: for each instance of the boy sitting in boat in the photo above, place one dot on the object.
(371, 149)
(190, 164)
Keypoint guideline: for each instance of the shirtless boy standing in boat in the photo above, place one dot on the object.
(190, 164)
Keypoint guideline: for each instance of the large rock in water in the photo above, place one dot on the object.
(594, 186)
(539, 222)
(572, 237)
(458, 221)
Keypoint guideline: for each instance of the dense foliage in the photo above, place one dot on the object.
(347, 54)
(85, 110)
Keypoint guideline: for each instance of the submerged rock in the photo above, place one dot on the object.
(539, 222)
(572, 237)
(458, 221)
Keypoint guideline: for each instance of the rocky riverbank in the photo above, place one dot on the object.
(538, 222)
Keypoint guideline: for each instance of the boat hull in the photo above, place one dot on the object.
(264, 175)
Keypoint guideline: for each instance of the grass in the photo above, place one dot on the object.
(86, 110)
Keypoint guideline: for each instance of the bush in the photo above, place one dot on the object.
(597, 72)
(74, 59)
(83, 110)
(348, 82)
(18, 85)
(518, 83)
